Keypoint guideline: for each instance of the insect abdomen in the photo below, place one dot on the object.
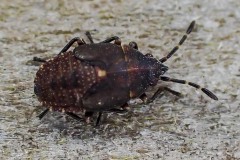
(61, 82)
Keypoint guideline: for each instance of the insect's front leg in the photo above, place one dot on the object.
(89, 36)
(158, 93)
(70, 43)
(89, 114)
(116, 40)
(123, 109)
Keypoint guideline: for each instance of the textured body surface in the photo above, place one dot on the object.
(191, 127)
(62, 82)
(94, 77)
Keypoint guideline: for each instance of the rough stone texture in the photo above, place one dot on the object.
(191, 127)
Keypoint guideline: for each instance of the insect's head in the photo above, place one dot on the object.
(156, 69)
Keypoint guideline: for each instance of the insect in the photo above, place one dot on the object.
(102, 77)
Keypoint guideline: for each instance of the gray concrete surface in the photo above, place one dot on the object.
(191, 127)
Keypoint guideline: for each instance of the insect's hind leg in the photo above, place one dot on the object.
(36, 59)
(43, 114)
(74, 116)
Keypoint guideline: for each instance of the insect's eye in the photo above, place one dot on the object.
(163, 69)
(152, 79)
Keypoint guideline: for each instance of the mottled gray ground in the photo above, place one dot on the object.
(191, 127)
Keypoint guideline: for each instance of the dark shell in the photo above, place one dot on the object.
(94, 77)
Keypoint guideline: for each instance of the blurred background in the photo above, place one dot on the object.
(190, 127)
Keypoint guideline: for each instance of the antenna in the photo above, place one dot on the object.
(189, 30)
(204, 90)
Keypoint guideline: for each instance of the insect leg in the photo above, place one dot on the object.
(116, 110)
(38, 59)
(70, 43)
(88, 115)
(114, 38)
(74, 116)
(189, 30)
(124, 109)
(98, 119)
(160, 90)
(172, 92)
(204, 90)
(144, 98)
(89, 36)
(41, 115)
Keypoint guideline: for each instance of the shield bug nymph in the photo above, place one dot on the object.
(102, 77)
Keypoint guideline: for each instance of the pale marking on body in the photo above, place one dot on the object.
(101, 73)
(131, 94)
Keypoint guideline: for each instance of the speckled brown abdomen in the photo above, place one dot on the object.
(61, 82)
